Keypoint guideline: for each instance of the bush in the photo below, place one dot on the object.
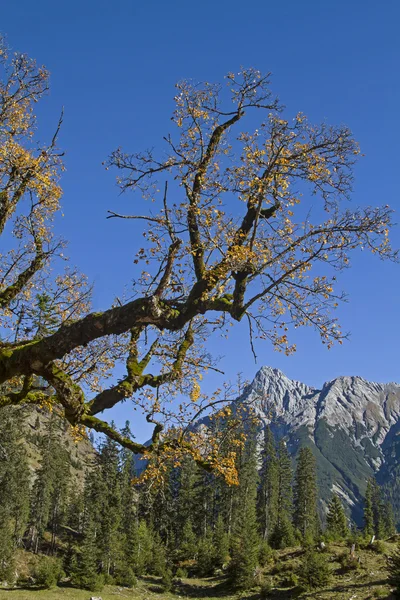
(379, 547)
(348, 562)
(167, 580)
(181, 573)
(205, 558)
(7, 569)
(265, 554)
(109, 579)
(314, 571)
(394, 571)
(48, 572)
(265, 590)
(126, 578)
(380, 593)
(290, 580)
(93, 582)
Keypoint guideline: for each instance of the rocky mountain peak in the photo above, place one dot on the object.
(352, 424)
(351, 403)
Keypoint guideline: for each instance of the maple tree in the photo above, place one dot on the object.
(256, 229)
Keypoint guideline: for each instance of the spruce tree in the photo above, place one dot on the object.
(221, 544)
(374, 519)
(85, 573)
(129, 508)
(205, 555)
(305, 513)
(283, 534)
(14, 485)
(144, 555)
(377, 506)
(59, 493)
(188, 499)
(245, 539)
(188, 543)
(268, 491)
(49, 493)
(314, 571)
(110, 507)
(388, 519)
(336, 520)
(7, 548)
(158, 563)
(369, 528)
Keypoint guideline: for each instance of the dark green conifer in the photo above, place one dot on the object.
(110, 507)
(283, 534)
(85, 572)
(305, 513)
(246, 539)
(221, 544)
(314, 571)
(49, 493)
(388, 519)
(268, 490)
(336, 520)
(14, 483)
(369, 528)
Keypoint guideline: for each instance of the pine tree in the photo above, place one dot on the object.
(49, 493)
(110, 507)
(305, 514)
(268, 491)
(7, 549)
(377, 506)
(336, 520)
(369, 527)
(144, 555)
(14, 485)
(85, 574)
(221, 544)
(129, 508)
(205, 555)
(245, 539)
(44, 319)
(314, 571)
(158, 563)
(283, 534)
(388, 519)
(188, 543)
(374, 523)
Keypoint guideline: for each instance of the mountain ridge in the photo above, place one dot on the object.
(351, 424)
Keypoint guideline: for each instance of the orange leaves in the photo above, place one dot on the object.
(195, 392)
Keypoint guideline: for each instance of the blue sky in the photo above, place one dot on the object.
(113, 67)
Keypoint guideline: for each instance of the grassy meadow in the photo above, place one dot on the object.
(366, 580)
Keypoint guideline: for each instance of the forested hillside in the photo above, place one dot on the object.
(351, 425)
(103, 524)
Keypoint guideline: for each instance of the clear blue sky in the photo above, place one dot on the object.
(113, 67)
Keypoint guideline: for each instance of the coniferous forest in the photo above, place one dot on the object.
(116, 528)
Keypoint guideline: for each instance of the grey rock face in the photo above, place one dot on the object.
(363, 409)
(349, 423)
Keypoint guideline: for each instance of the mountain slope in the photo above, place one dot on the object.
(352, 426)
(34, 422)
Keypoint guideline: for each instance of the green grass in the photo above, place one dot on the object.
(367, 582)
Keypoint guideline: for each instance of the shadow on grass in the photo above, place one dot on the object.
(27, 588)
